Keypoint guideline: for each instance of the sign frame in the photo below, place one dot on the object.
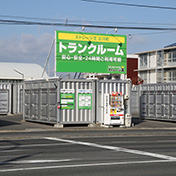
(90, 52)
(67, 99)
(84, 98)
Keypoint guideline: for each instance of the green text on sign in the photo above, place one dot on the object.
(67, 99)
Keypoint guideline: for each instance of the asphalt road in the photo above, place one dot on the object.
(51, 154)
(148, 149)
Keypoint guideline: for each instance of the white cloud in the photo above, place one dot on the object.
(26, 48)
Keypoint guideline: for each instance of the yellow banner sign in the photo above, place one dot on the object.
(92, 38)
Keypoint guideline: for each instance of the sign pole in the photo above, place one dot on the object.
(46, 63)
(55, 57)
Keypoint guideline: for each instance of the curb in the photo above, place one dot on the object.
(85, 129)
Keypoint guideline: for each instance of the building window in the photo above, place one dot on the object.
(159, 76)
(143, 60)
(171, 75)
(143, 76)
(160, 61)
(172, 56)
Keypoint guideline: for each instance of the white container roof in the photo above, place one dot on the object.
(29, 70)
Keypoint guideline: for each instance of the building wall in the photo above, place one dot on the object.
(152, 60)
(158, 66)
(152, 76)
(132, 64)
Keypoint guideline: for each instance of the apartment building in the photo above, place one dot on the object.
(158, 66)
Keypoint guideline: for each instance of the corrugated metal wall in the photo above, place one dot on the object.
(158, 101)
(135, 94)
(11, 98)
(41, 100)
(77, 115)
(107, 87)
(152, 101)
(43, 97)
(4, 98)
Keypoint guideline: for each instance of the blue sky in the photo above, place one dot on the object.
(19, 43)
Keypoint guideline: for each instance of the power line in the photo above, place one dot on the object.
(16, 22)
(150, 33)
(88, 21)
(31, 18)
(132, 5)
(81, 21)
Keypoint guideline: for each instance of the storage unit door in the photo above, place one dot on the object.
(144, 105)
(53, 105)
(35, 105)
(159, 106)
(27, 108)
(166, 108)
(4, 96)
(152, 106)
(44, 105)
(173, 106)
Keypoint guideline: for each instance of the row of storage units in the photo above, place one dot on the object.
(88, 101)
(11, 98)
(61, 101)
(158, 101)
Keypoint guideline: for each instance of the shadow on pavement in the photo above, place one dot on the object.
(136, 120)
(8, 123)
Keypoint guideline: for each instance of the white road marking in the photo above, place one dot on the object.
(85, 165)
(35, 161)
(120, 149)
